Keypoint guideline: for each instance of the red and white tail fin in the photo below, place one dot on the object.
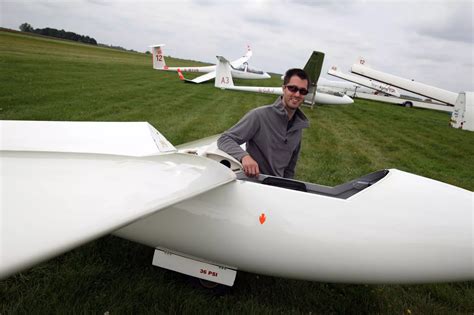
(180, 74)
(245, 58)
(361, 61)
(158, 57)
(249, 53)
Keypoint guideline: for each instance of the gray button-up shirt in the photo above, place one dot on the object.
(264, 129)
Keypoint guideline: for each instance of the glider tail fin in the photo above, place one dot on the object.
(313, 69)
(463, 113)
(223, 73)
(314, 65)
(249, 53)
(158, 57)
(361, 61)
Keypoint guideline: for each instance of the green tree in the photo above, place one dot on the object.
(25, 27)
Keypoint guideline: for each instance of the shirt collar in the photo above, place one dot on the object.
(299, 116)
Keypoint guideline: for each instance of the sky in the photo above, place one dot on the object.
(430, 41)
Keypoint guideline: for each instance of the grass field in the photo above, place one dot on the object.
(46, 79)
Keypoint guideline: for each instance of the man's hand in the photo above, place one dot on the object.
(250, 166)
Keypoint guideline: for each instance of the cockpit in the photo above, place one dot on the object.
(245, 68)
(342, 191)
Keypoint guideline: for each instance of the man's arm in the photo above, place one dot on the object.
(241, 132)
(231, 140)
(290, 170)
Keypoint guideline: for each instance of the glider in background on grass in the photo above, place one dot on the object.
(193, 204)
(360, 82)
(462, 116)
(240, 67)
(313, 69)
(342, 88)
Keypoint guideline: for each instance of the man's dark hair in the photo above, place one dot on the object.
(300, 73)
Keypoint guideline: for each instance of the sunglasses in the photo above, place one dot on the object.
(294, 89)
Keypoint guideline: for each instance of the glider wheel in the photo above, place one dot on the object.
(210, 287)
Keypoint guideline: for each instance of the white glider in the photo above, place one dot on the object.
(462, 116)
(362, 68)
(240, 67)
(205, 218)
(371, 84)
(224, 81)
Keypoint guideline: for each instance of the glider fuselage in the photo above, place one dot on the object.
(386, 227)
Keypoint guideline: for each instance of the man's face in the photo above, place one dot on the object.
(293, 100)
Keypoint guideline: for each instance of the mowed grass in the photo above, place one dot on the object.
(45, 79)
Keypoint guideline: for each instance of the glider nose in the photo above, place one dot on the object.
(266, 76)
(347, 100)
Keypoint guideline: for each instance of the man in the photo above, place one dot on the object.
(272, 132)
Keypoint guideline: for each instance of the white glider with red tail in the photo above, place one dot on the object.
(240, 68)
(66, 183)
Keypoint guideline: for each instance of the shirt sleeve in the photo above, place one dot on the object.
(241, 132)
(290, 170)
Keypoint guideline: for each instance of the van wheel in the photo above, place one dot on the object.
(408, 104)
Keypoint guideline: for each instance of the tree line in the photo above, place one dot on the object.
(25, 27)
